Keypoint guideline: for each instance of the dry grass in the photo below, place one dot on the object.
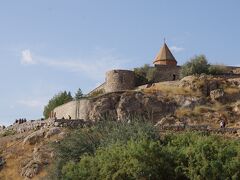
(197, 111)
(232, 90)
(170, 90)
(181, 112)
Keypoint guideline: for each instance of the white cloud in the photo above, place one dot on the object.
(176, 49)
(33, 103)
(27, 57)
(94, 66)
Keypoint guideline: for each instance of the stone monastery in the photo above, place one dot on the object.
(122, 80)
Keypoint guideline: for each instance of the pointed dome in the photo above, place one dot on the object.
(165, 57)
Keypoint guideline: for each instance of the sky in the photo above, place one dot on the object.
(48, 46)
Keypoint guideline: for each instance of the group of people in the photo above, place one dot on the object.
(2, 127)
(20, 121)
(69, 117)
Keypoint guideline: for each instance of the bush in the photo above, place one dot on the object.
(87, 140)
(141, 75)
(217, 69)
(7, 133)
(199, 156)
(145, 74)
(141, 159)
(196, 65)
(199, 65)
(182, 156)
(151, 75)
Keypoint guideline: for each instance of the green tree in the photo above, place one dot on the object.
(197, 65)
(152, 75)
(139, 159)
(78, 94)
(141, 74)
(118, 150)
(218, 69)
(57, 100)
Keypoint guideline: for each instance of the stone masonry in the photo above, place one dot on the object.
(118, 80)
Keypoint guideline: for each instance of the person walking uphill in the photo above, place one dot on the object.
(222, 124)
(223, 121)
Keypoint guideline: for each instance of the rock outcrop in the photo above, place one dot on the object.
(129, 104)
(34, 138)
(203, 83)
(52, 131)
(217, 95)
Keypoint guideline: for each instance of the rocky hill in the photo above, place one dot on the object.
(195, 100)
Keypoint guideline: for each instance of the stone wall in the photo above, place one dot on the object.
(75, 109)
(167, 73)
(118, 80)
(66, 109)
(98, 89)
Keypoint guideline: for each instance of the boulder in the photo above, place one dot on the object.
(189, 101)
(34, 138)
(203, 83)
(104, 106)
(236, 107)
(31, 169)
(52, 131)
(168, 120)
(128, 105)
(217, 95)
(149, 106)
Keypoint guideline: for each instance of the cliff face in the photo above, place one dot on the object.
(123, 106)
(158, 100)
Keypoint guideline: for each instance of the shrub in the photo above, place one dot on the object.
(86, 140)
(204, 157)
(112, 150)
(141, 159)
(196, 65)
(7, 133)
(217, 69)
(232, 90)
(151, 75)
(199, 65)
(141, 74)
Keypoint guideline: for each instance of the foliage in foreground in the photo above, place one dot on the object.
(135, 151)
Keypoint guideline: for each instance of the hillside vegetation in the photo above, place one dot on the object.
(114, 150)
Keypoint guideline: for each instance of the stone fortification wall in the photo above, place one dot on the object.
(66, 109)
(118, 80)
(98, 89)
(167, 73)
(75, 109)
(48, 123)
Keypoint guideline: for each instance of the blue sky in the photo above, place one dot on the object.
(52, 45)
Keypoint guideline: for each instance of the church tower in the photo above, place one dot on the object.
(165, 57)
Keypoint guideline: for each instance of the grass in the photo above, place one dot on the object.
(171, 90)
(196, 111)
(8, 133)
(232, 90)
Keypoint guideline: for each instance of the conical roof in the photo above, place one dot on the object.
(165, 55)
